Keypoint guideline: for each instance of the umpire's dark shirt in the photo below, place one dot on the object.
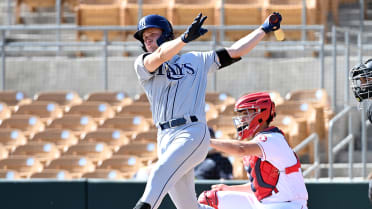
(215, 166)
(369, 112)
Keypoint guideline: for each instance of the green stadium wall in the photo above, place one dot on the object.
(99, 194)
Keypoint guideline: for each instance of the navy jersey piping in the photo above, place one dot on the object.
(181, 163)
(166, 104)
(174, 98)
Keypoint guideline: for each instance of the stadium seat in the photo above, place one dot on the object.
(76, 165)
(228, 110)
(223, 127)
(129, 11)
(62, 138)
(137, 109)
(145, 151)
(42, 151)
(123, 163)
(234, 13)
(317, 97)
(25, 166)
(95, 151)
(116, 99)
(64, 98)
(106, 174)
(304, 111)
(9, 174)
(99, 111)
(211, 111)
(183, 12)
(276, 97)
(28, 124)
(52, 174)
(141, 98)
(220, 100)
(148, 136)
(14, 98)
(11, 138)
(75, 123)
(3, 152)
(46, 111)
(314, 96)
(130, 125)
(98, 14)
(33, 4)
(114, 138)
(5, 111)
(292, 11)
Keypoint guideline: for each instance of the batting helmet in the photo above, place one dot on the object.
(155, 21)
(254, 110)
(361, 80)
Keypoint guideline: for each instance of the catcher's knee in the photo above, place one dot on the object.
(142, 205)
(209, 198)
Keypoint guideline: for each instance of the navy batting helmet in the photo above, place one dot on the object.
(154, 21)
(361, 80)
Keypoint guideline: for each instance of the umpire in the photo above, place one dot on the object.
(361, 84)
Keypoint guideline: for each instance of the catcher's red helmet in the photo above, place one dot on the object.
(254, 110)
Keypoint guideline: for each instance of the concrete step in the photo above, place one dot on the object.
(340, 170)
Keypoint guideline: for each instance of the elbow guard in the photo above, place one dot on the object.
(225, 58)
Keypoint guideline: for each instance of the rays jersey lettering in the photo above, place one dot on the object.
(176, 71)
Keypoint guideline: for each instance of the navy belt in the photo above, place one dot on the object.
(176, 122)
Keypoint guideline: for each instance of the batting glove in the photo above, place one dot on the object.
(272, 22)
(195, 30)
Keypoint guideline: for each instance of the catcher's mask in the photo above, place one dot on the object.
(253, 110)
(361, 80)
(154, 21)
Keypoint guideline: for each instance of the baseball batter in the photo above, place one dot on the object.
(175, 86)
(273, 168)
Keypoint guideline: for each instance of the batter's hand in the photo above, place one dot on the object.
(195, 30)
(219, 187)
(272, 22)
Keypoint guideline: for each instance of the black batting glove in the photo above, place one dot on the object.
(195, 30)
(272, 22)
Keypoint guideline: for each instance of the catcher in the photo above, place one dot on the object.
(273, 168)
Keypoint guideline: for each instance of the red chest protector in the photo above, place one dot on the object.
(264, 176)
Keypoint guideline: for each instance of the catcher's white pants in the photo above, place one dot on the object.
(180, 149)
(244, 200)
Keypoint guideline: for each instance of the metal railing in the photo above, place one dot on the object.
(348, 140)
(58, 45)
(315, 166)
(347, 32)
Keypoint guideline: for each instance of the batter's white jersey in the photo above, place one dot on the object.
(177, 90)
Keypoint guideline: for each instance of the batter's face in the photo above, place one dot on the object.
(150, 35)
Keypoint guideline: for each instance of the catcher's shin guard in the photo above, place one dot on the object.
(142, 205)
(209, 198)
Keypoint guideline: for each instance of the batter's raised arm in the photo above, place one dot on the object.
(235, 147)
(169, 49)
(247, 43)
